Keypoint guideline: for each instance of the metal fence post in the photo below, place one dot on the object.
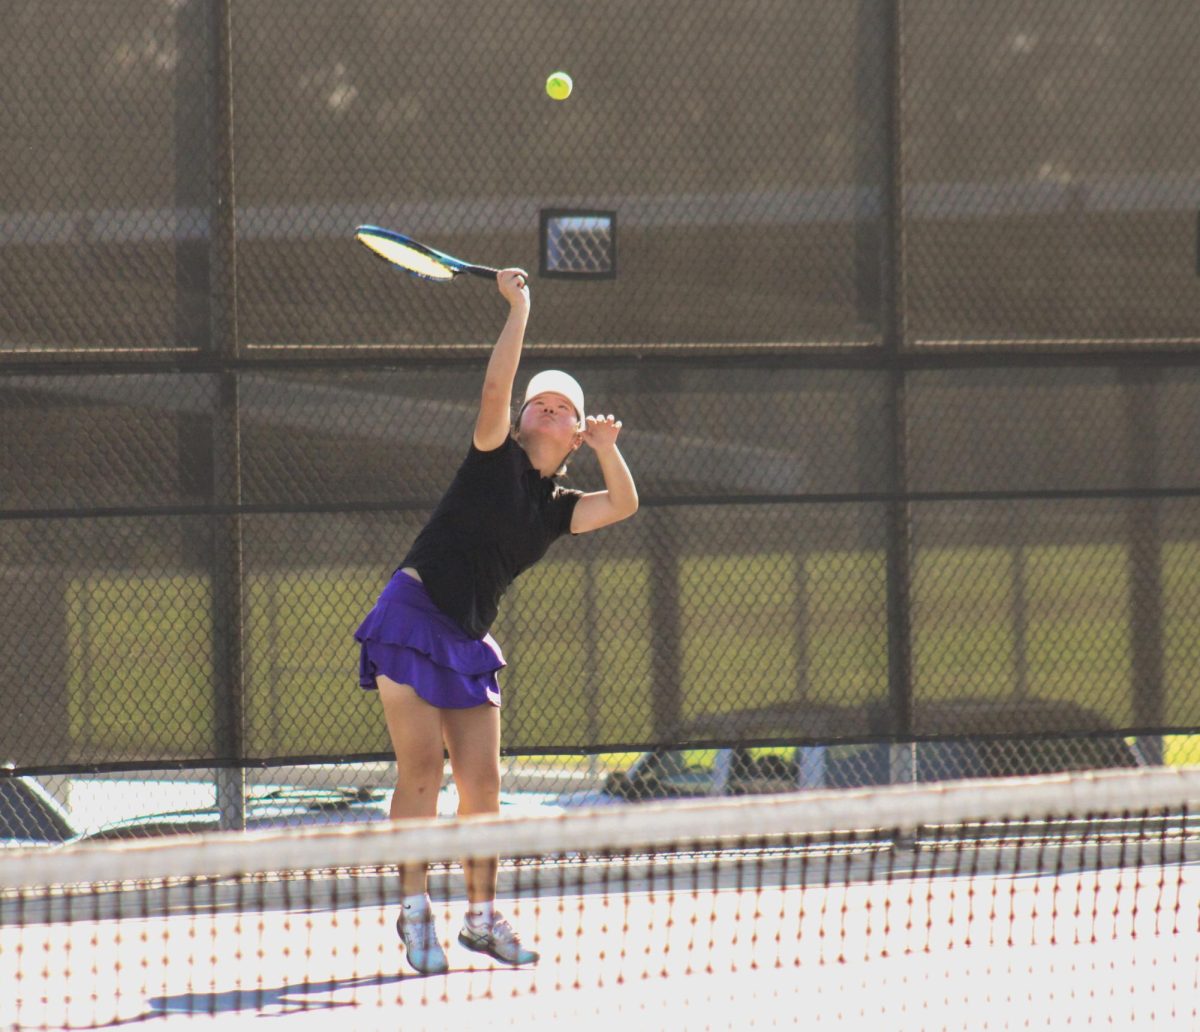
(1144, 537)
(228, 667)
(891, 312)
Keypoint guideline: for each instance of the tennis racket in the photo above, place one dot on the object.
(417, 259)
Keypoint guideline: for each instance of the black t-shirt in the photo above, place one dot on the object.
(496, 519)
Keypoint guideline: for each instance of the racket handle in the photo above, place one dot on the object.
(483, 271)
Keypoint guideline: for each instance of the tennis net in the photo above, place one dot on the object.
(1030, 903)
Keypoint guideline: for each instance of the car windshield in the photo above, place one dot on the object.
(691, 772)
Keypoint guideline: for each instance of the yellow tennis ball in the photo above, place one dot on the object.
(558, 86)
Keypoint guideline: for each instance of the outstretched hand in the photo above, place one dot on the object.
(601, 432)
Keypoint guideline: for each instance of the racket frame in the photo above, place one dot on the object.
(455, 266)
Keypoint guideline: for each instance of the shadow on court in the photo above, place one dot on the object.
(302, 996)
(284, 999)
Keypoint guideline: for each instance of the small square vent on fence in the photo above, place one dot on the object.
(578, 244)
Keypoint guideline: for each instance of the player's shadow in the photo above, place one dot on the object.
(284, 999)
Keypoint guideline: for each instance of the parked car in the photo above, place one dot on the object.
(278, 808)
(290, 807)
(740, 770)
(30, 816)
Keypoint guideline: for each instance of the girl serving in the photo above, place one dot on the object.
(426, 645)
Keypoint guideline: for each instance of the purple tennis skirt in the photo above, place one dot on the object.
(408, 639)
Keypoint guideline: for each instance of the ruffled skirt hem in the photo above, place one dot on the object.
(408, 639)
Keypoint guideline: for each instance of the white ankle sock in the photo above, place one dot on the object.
(480, 915)
(417, 905)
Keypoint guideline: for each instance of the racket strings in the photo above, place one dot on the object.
(409, 258)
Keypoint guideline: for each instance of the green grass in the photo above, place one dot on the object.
(1181, 633)
(140, 665)
(1048, 623)
(739, 641)
(846, 627)
(550, 624)
(977, 633)
(301, 664)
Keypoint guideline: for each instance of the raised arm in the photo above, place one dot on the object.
(495, 404)
(619, 499)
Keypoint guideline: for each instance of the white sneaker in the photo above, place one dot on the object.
(421, 945)
(500, 941)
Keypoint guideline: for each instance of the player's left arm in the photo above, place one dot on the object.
(619, 499)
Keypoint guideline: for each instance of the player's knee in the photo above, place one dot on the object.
(413, 787)
(419, 775)
(479, 792)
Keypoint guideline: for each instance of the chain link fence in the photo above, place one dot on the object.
(899, 311)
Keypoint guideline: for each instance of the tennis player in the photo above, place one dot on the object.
(426, 644)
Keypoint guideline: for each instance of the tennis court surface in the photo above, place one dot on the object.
(1057, 902)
